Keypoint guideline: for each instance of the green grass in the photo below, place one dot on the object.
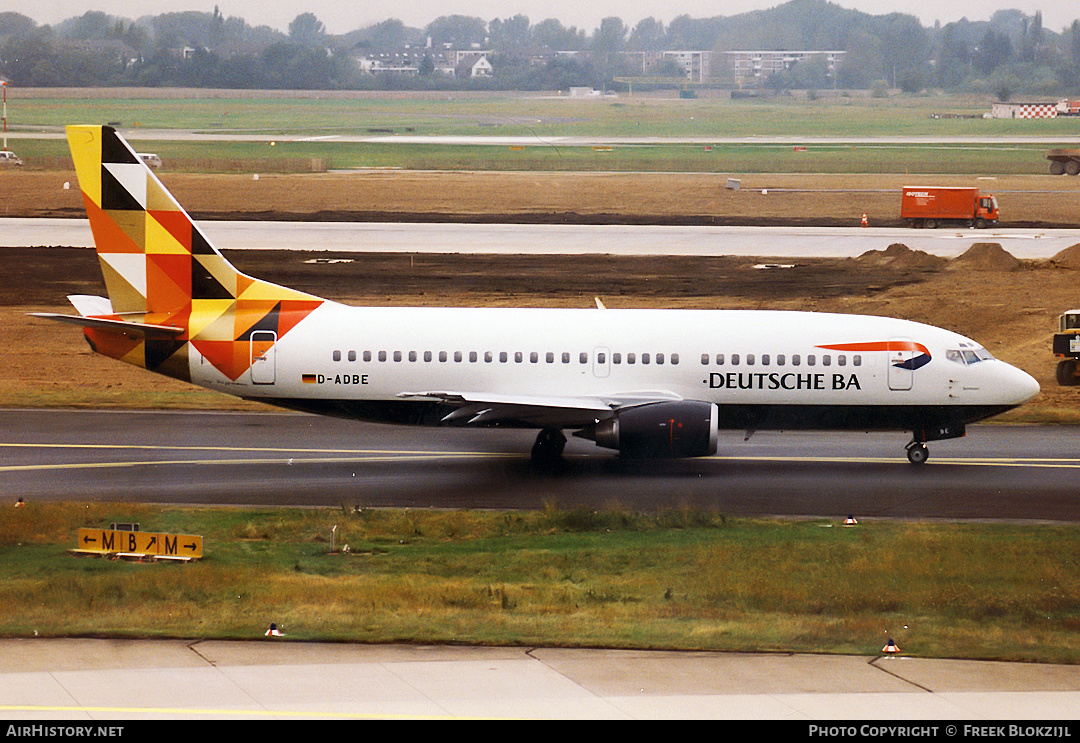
(289, 156)
(542, 118)
(677, 579)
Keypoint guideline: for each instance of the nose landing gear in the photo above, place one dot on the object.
(917, 453)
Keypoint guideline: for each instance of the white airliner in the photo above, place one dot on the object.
(647, 383)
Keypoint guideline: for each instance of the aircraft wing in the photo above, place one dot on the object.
(480, 408)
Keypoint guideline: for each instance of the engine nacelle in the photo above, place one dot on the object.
(687, 428)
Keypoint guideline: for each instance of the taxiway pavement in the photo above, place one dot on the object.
(526, 239)
(269, 679)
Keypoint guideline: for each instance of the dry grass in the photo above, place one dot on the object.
(612, 578)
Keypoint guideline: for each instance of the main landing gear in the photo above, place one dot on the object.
(917, 453)
(549, 446)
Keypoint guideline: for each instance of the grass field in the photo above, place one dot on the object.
(521, 114)
(293, 156)
(541, 118)
(676, 579)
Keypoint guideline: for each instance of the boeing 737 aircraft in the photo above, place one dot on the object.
(646, 383)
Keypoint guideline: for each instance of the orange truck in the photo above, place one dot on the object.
(936, 206)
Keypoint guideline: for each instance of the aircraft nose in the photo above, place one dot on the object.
(1022, 385)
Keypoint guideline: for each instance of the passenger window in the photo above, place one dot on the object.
(337, 355)
(502, 357)
(382, 355)
(517, 357)
(583, 358)
(750, 359)
(549, 357)
(616, 358)
(857, 360)
(457, 356)
(765, 359)
(826, 360)
(534, 357)
(427, 355)
(811, 360)
(735, 359)
(644, 358)
(780, 359)
(442, 356)
(659, 358)
(352, 355)
(397, 355)
(796, 360)
(601, 358)
(488, 357)
(705, 359)
(720, 360)
(631, 358)
(367, 355)
(674, 358)
(472, 357)
(841, 360)
(412, 355)
(566, 357)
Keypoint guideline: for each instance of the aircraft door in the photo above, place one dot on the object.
(901, 352)
(263, 362)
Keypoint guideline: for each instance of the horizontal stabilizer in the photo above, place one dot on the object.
(139, 329)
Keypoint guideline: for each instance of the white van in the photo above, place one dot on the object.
(150, 159)
(7, 157)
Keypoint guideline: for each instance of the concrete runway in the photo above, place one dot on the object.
(524, 239)
(269, 679)
(1015, 473)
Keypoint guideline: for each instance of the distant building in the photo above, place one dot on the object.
(696, 65)
(473, 65)
(1024, 111)
(750, 67)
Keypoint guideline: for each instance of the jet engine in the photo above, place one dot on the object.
(687, 428)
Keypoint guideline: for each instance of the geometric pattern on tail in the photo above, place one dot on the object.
(159, 268)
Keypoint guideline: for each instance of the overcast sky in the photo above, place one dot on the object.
(339, 17)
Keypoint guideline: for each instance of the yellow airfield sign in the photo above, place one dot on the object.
(155, 544)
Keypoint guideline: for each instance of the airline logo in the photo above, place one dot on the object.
(903, 354)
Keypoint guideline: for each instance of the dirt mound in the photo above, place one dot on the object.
(899, 255)
(986, 257)
(1067, 258)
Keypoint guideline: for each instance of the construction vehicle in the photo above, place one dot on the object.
(1067, 347)
(936, 206)
(1064, 161)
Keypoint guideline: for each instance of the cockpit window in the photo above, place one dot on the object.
(968, 355)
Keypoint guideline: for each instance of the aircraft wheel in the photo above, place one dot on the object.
(917, 453)
(1066, 373)
(549, 446)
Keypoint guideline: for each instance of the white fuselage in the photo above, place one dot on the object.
(730, 358)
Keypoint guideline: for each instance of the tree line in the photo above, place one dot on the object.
(1010, 54)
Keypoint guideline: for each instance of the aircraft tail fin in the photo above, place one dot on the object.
(161, 270)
